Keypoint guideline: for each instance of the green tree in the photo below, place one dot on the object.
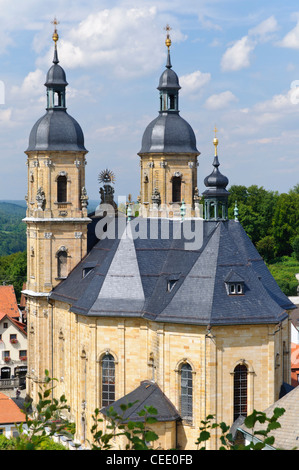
(295, 245)
(266, 248)
(13, 270)
(285, 223)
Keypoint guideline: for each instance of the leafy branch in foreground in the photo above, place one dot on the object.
(138, 434)
(263, 437)
(45, 421)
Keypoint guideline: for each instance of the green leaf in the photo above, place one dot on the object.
(151, 436)
(269, 440)
(204, 436)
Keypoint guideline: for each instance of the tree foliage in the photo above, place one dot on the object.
(13, 270)
(46, 420)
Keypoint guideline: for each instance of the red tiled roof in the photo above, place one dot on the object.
(8, 301)
(18, 324)
(10, 413)
(23, 298)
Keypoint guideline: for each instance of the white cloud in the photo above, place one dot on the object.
(5, 116)
(193, 82)
(291, 39)
(238, 55)
(264, 29)
(220, 100)
(124, 42)
(32, 85)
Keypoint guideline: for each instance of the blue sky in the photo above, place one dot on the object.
(238, 63)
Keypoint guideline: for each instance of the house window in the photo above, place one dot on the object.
(62, 264)
(23, 355)
(13, 339)
(5, 325)
(186, 393)
(240, 391)
(176, 189)
(108, 379)
(61, 189)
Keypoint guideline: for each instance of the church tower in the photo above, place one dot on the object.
(56, 215)
(168, 156)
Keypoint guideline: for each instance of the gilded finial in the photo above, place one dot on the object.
(215, 141)
(168, 40)
(55, 36)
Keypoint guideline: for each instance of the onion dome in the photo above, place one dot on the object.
(169, 132)
(56, 130)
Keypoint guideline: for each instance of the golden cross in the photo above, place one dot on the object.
(167, 28)
(215, 130)
(55, 22)
(55, 36)
(168, 41)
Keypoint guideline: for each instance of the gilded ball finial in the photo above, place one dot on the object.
(168, 40)
(55, 36)
(215, 141)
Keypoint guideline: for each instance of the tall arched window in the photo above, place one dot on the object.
(108, 379)
(61, 189)
(186, 393)
(176, 189)
(240, 391)
(62, 264)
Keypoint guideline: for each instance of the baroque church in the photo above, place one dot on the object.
(122, 316)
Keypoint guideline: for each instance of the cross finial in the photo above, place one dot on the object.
(55, 36)
(168, 40)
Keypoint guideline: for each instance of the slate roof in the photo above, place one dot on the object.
(169, 133)
(147, 394)
(287, 436)
(130, 277)
(56, 130)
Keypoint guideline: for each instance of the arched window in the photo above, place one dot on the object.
(186, 392)
(176, 189)
(108, 379)
(62, 264)
(240, 391)
(61, 189)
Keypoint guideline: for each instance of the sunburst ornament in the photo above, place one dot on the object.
(106, 176)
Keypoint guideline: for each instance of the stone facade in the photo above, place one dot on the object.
(145, 350)
(71, 346)
(53, 227)
(157, 173)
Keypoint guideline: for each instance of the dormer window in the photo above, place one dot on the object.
(171, 281)
(234, 284)
(88, 268)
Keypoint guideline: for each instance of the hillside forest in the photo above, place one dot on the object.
(270, 219)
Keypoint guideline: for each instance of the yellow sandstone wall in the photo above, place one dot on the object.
(79, 343)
